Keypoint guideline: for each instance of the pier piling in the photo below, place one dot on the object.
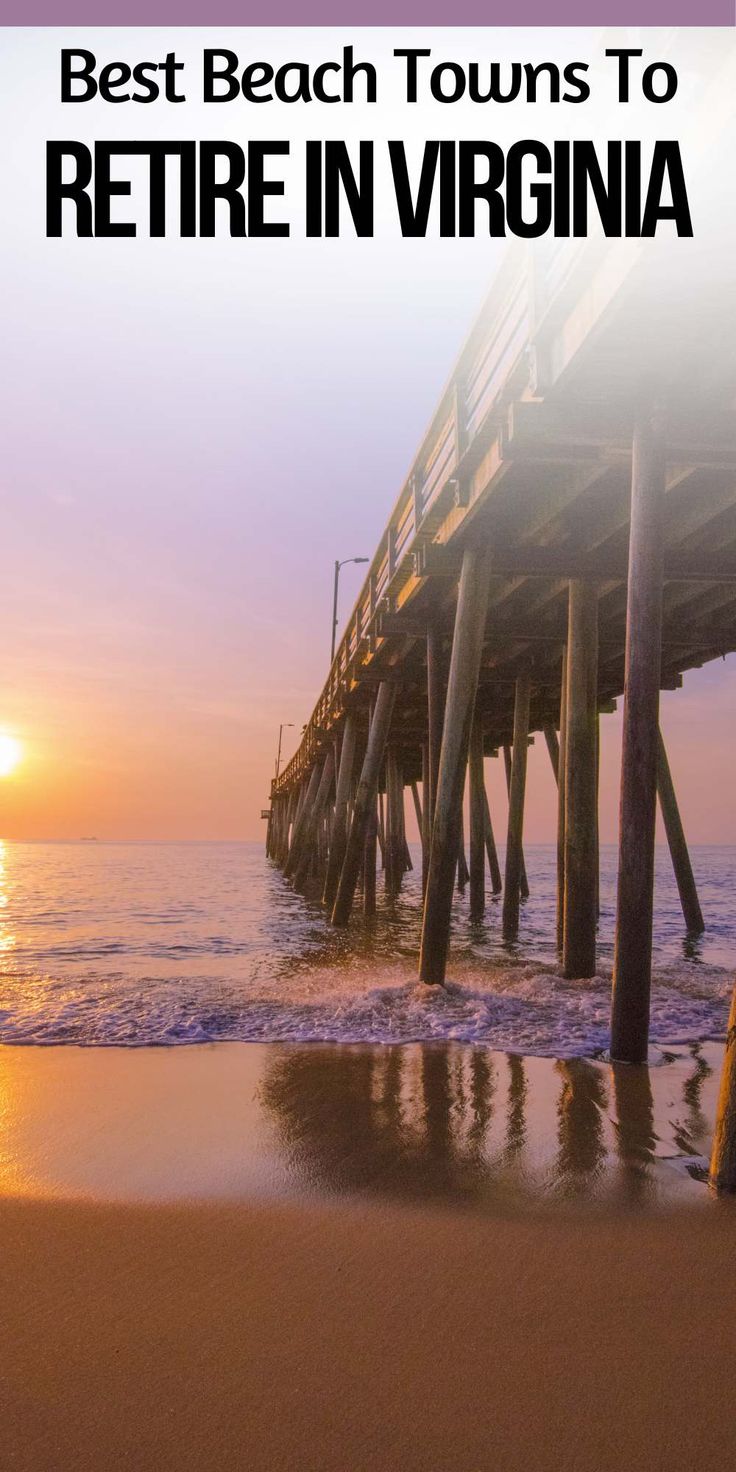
(517, 791)
(365, 798)
(477, 821)
(723, 1157)
(339, 836)
(581, 788)
(311, 834)
(370, 855)
(494, 867)
(436, 695)
(681, 864)
(633, 944)
(561, 800)
(523, 880)
(470, 617)
(301, 826)
(426, 828)
(463, 872)
(394, 851)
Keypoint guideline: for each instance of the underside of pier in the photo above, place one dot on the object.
(566, 537)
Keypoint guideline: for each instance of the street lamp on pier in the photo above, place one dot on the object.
(338, 565)
(282, 728)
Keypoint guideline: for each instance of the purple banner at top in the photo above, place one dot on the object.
(369, 13)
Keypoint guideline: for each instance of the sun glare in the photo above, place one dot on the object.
(11, 752)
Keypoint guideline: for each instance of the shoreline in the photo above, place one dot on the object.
(442, 1122)
(262, 1256)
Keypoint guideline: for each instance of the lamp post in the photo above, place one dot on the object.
(338, 565)
(282, 728)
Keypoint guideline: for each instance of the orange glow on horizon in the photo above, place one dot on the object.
(11, 753)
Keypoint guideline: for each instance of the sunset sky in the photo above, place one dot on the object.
(192, 432)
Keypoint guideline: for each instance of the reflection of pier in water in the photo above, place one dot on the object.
(488, 1129)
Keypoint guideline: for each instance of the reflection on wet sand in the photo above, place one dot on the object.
(691, 1135)
(446, 1122)
(636, 1138)
(487, 1129)
(581, 1109)
(517, 1097)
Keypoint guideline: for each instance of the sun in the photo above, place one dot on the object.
(11, 752)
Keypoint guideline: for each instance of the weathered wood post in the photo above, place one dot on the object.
(310, 849)
(723, 1156)
(270, 828)
(289, 820)
(597, 812)
(477, 821)
(370, 854)
(553, 747)
(406, 859)
(436, 690)
(370, 844)
(322, 839)
(581, 788)
(301, 799)
(493, 864)
(677, 843)
(517, 790)
(632, 969)
(561, 799)
(394, 850)
(524, 882)
(467, 646)
(417, 807)
(302, 823)
(463, 872)
(426, 815)
(339, 836)
(365, 798)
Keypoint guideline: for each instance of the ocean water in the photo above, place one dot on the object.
(136, 944)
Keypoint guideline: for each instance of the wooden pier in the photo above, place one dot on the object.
(566, 536)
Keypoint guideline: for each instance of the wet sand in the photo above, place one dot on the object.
(244, 1258)
(445, 1123)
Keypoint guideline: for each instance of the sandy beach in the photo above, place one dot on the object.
(243, 1257)
(332, 1337)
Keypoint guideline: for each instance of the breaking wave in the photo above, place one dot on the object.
(139, 945)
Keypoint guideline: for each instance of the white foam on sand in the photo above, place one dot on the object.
(525, 1008)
